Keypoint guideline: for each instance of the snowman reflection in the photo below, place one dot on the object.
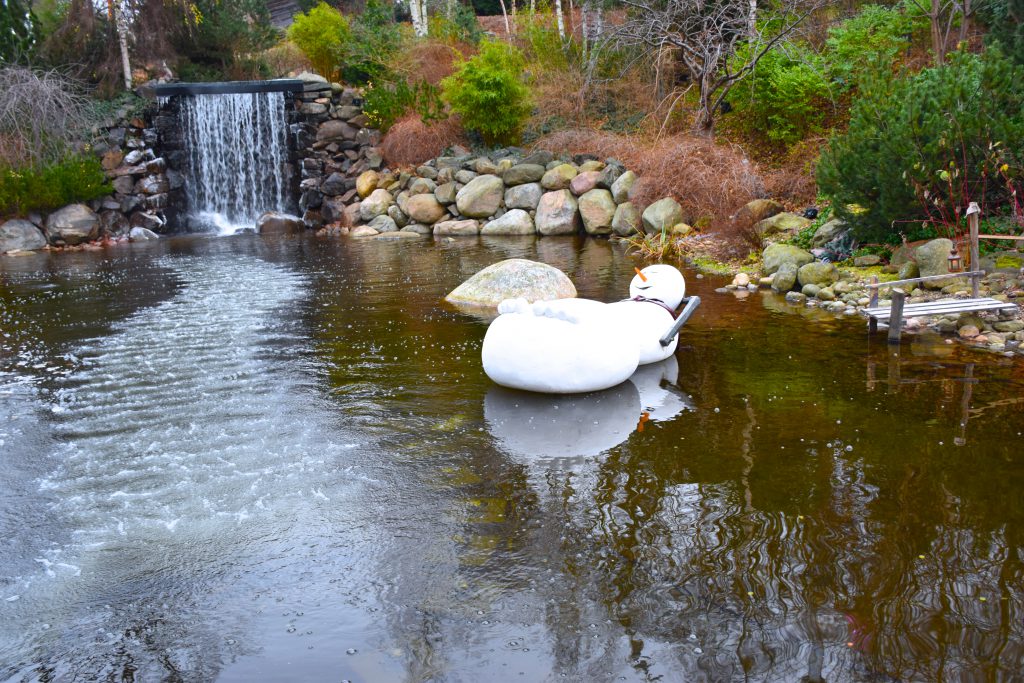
(535, 427)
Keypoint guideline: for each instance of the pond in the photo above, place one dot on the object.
(243, 458)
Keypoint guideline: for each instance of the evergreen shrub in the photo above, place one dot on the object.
(488, 93)
(921, 148)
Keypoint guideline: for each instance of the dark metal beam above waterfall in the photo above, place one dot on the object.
(228, 87)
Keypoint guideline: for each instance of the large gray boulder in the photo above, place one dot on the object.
(785, 277)
(510, 279)
(817, 273)
(525, 196)
(513, 222)
(778, 254)
(74, 224)
(383, 223)
(142, 235)
(523, 173)
(556, 214)
(277, 223)
(933, 259)
(597, 210)
(424, 208)
(20, 235)
(828, 232)
(757, 210)
(662, 215)
(626, 221)
(781, 224)
(480, 197)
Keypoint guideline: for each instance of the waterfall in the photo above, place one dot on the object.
(237, 148)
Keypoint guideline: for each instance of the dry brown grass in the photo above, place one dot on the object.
(410, 142)
(709, 180)
(285, 59)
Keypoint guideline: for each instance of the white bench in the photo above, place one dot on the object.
(898, 310)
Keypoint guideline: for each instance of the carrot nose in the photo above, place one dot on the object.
(642, 276)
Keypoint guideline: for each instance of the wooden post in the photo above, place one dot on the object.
(873, 322)
(973, 216)
(896, 315)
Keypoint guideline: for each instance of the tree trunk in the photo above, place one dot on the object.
(560, 19)
(418, 10)
(752, 20)
(504, 13)
(122, 39)
(938, 44)
(704, 124)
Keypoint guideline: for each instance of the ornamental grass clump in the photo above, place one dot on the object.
(488, 93)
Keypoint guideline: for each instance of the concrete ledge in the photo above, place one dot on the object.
(228, 87)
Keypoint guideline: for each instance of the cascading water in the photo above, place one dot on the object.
(237, 149)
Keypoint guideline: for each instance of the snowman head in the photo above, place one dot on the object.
(661, 282)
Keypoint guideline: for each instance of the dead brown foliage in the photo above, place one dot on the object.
(410, 142)
(709, 180)
(429, 60)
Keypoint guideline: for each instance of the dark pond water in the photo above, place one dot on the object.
(239, 459)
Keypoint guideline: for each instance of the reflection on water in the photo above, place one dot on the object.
(246, 459)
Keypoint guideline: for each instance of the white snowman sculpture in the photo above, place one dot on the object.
(570, 346)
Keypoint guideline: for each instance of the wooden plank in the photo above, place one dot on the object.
(896, 315)
(927, 278)
(1001, 237)
(883, 314)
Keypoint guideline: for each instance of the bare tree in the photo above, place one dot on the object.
(707, 35)
(943, 17)
(40, 113)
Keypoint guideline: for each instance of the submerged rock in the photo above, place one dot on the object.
(275, 222)
(510, 279)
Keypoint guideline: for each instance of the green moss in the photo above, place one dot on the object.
(706, 264)
(1009, 261)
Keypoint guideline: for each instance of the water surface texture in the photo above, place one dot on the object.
(242, 459)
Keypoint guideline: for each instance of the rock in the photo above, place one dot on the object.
(481, 196)
(680, 230)
(540, 156)
(741, 280)
(152, 184)
(362, 231)
(398, 216)
(510, 279)
(867, 260)
(124, 185)
(909, 271)
(597, 211)
(73, 224)
(445, 193)
(817, 273)
(782, 224)
(622, 188)
(968, 332)
(584, 182)
(662, 215)
(352, 214)
(810, 291)
(933, 259)
(469, 227)
(626, 221)
(383, 224)
(795, 297)
(427, 172)
(523, 173)
(513, 222)
(592, 166)
(112, 159)
(778, 254)
(424, 208)
(375, 205)
(142, 235)
(785, 277)
(422, 186)
(825, 293)
(418, 228)
(610, 174)
(396, 236)
(1009, 326)
(276, 223)
(556, 214)
(559, 177)
(335, 184)
(757, 210)
(145, 219)
(827, 232)
(335, 130)
(465, 176)
(20, 235)
(485, 166)
(525, 196)
(365, 183)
